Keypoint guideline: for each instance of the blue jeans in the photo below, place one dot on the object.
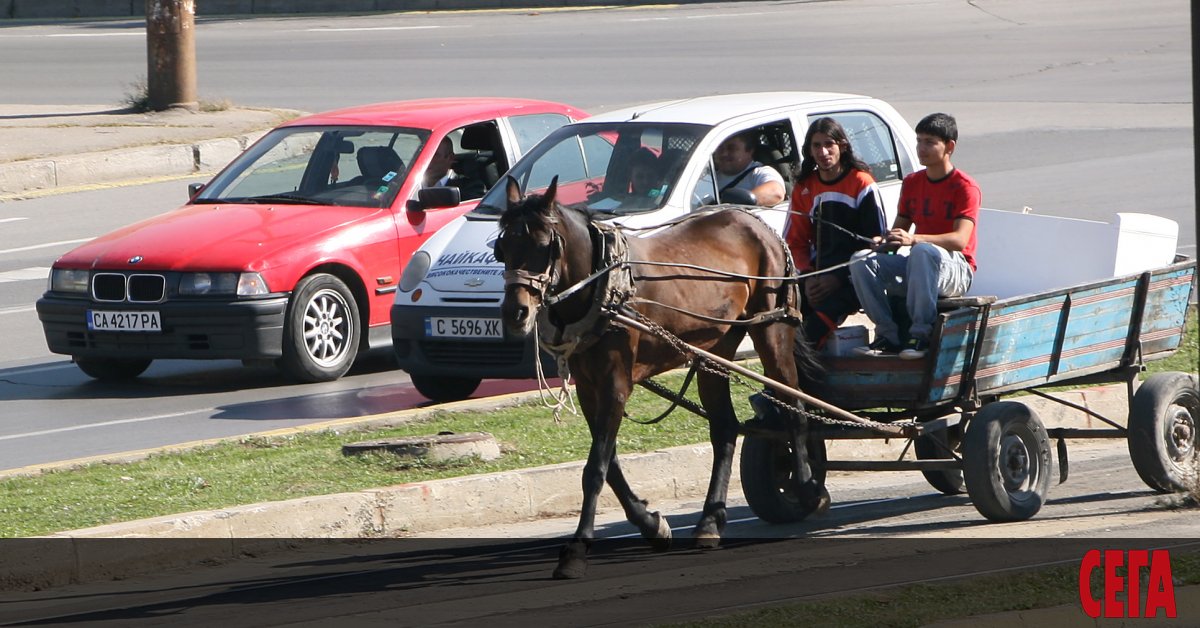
(928, 272)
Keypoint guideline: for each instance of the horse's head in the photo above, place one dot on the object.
(530, 247)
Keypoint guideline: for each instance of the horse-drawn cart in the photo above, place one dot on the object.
(616, 311)
(963, 434)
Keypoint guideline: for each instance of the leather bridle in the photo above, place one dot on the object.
(538, 284)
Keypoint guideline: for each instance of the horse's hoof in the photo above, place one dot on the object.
(823, 506)
(572, 562)
(707, 540)
(661, 541)
(571, 570)
(815, 498)
(821, 502)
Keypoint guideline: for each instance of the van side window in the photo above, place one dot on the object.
(872, 142)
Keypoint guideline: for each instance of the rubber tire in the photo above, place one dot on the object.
(768, 483)
(946, 482)
(1003, 433)
(443, 389)
(1163, 418)
(324, 295)
(112, 369)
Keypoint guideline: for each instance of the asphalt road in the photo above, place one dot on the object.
(884, 530)
(1059, 105)
(1080, 110)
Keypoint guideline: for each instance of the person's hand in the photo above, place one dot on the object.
(899, 237)
(819, 287)
(882, 246)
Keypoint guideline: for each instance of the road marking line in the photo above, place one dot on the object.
(692, 17)
(75, 428)
(17, 310)
(12, 219)
(133, 34)
(44, 246)
(25, 274)
(374, 28)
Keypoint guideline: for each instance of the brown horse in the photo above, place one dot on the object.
(548, 251)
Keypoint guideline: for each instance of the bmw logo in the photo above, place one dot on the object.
(135, 259)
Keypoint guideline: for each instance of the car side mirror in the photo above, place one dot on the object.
(738, 196)
(435, 198)
(194, 189)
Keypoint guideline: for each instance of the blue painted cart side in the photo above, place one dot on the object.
(1027, 341)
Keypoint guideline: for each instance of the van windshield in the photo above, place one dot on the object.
(611, 167)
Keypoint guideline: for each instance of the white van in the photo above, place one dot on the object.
(446, 328)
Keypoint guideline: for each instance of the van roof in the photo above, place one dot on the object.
(713, 110)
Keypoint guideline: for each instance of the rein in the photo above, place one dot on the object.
(568, 340)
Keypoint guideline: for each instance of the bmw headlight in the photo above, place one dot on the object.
(67, 280)
(415, 272)
(205, 284)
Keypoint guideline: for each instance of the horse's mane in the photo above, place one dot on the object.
(538, 216)
(531, 212)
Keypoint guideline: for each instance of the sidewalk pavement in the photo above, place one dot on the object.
(57, 148)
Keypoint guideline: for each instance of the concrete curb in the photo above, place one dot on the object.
(503, 497)
(125, 164)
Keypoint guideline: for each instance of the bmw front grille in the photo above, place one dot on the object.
(132, 288)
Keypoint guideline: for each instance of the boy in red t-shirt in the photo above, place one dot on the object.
(943, 204)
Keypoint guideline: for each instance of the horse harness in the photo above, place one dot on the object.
(614, 286)
(615, 291)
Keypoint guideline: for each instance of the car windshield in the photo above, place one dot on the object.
(611, 167)
(356, 166)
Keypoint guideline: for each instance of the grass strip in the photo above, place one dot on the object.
(257, 469)
(920, 604)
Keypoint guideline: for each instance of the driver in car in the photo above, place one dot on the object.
(737, 170)
(439, 173)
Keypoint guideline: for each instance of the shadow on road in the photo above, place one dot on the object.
(164, 378)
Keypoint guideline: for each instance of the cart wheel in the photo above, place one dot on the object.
(769, 482)
(933, 446)
(1163, 419)
(441, 389)
(1006, 461)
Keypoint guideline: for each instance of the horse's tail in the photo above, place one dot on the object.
(808, 365)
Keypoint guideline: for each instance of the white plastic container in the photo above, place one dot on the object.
(845, 339)
(1029, 253)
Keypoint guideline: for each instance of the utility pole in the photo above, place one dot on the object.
(171, 54)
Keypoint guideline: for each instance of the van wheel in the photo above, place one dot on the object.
(440, 389)
(112, 369)
(321, 331)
